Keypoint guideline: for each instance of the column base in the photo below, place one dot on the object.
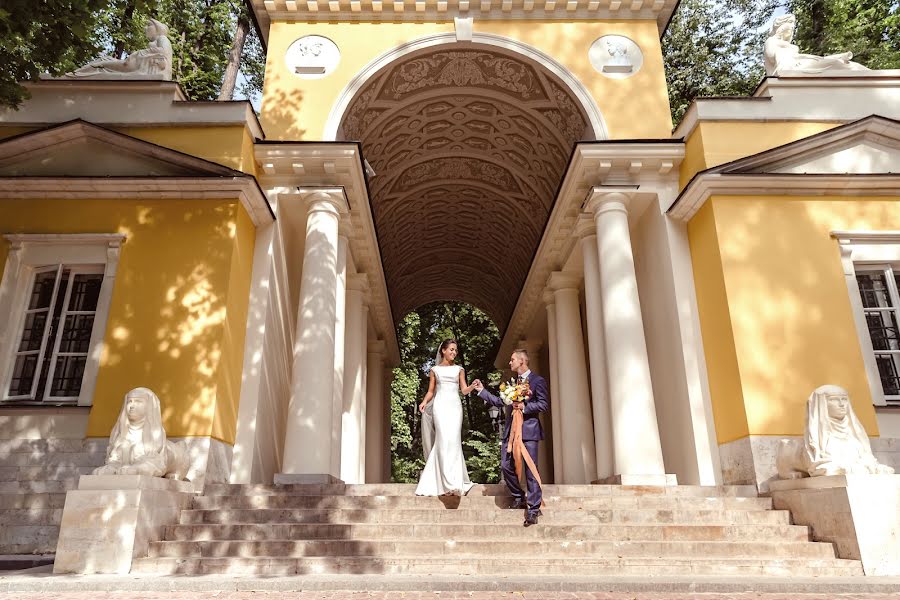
(630, 479)
(305, 478)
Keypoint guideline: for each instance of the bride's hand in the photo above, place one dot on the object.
(422, 406)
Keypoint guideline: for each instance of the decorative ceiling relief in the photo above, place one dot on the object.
(469, 145)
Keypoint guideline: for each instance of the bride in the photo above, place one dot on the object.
(445, 472)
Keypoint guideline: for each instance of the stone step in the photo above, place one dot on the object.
(479, 502)
(488, 532)
(479, 548)
(509, 517)
(43, 446)
(613, 566)
(30, 516)
(494, 489)
(52, 473)
(28, 539)
(38, 487)
(55, 459)
(32, 501)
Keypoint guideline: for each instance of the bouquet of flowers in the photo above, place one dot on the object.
(515, 392)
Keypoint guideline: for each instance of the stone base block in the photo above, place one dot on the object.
(303, 478)
(859, 514)
(661, 480)
(111, 519)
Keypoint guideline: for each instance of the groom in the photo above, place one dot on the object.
(532, 434)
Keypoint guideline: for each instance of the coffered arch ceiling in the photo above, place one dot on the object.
(469, 143)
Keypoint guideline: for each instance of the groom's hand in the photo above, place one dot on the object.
(478, 385)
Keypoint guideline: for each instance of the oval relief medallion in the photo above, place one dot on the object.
(312, 57)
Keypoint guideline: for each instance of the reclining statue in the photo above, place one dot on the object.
(149, 63)
(781, 56)
(138, 444)
(834, 443)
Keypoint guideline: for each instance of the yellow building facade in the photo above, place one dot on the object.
(684, 290)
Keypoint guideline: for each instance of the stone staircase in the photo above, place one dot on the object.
(34, 478)
(586, 530)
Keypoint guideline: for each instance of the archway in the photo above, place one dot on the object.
(468, 142)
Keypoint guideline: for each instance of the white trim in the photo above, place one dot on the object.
(867, 248)
(29, 251)
(370, 70)
(705, 185)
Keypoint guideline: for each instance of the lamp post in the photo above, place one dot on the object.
(494, 413)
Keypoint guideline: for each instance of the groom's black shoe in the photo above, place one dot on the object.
(532, 518)
(519, 504)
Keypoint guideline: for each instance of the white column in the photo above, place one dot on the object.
(555, 417)
(637, 448)
(307, 445)
(577, 429)
(599, 391)
(354, 380)
(375, 409)
(340, 340)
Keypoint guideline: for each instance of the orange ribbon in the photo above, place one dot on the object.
(517, 446)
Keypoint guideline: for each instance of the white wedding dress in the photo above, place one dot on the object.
(445, 470)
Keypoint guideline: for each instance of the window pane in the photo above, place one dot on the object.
(33, 332)
(67, 376)
(42, 292)
(873, 289)
(85, 291)
(23, 375)
(76, 335)
(883, 330)
(890, 379)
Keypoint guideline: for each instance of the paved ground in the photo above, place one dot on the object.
(429, 596)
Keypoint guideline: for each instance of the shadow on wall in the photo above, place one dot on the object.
(167, 323)
(280, 109)
(790, 305)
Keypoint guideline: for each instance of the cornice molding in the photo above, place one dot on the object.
(242, 188)
(267, 11)
(705, 185)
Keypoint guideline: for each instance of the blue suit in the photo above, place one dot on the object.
(532, 434)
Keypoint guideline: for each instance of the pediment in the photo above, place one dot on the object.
(866, 147)
(81, 149)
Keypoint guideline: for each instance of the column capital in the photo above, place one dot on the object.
(548, 298)
(328, 199)
(560, 280)
(358, 282)
(603, 198)
(585, 226)
(376, 347)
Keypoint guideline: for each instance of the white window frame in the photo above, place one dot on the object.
(868, 251)
(27, 254)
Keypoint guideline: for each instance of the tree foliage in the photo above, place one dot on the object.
(58, 36)
(868, 28)
(419, 334)
(713, 48)
(50, 36)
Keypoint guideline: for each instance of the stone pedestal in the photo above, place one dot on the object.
(859, 514)
(111, 519)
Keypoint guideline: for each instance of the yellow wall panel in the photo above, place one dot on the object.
(178, 306)
(791, 319)
(224, 145)
(720, 142)
(635, 107)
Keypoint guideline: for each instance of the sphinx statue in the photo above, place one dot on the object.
(781, 56)
(152, 62)
(138, 444)
(834, 443)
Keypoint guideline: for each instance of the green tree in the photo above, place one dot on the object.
(419, 334)
(50, 36)
(868, 28)
(713, 48)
